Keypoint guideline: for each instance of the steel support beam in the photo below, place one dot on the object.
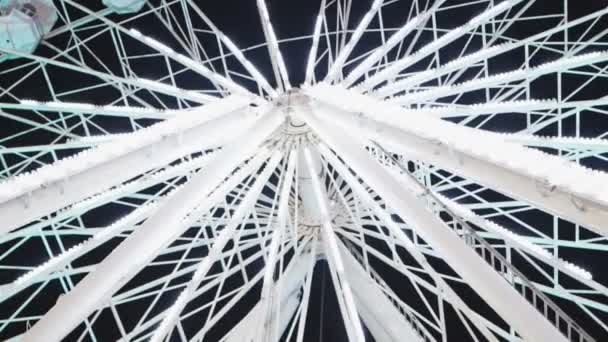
(557, 186)
(290, 284)
(528, 322)
(91, 109)
(94, 171)
(156, 233)
(475, 57)
(312, 55)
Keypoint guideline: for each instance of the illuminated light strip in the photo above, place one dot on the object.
(115, 193)
(504, 107)
(273, 43)
(516, 75)
(395, 68)
(257, 75)
(523, 241)
(155, 178)
(82, 248)
(192, 64)
(457, 64)
(397, 37)
(578, 143)
(336, 67)
(524, 106)
(100, 139)
(87, 108)
(27, 182)
(312, 56)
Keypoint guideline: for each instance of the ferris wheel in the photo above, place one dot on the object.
(443, 159)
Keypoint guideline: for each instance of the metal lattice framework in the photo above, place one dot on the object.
(157, 185)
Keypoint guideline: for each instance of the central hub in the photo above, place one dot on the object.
(292, 98)
(291, 102)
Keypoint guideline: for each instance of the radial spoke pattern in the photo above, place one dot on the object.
(443, 163)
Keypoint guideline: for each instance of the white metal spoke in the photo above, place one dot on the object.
(154, 241)
(399, 234)
(312, 55)
(278, 63)
(395, 39)
(165, 50)
(225, 236)
(350, 314)
(90, 109)
(137, 82)
(336, 67)
(512, 76)
(449, 245)
(46, 190)
(399, 65)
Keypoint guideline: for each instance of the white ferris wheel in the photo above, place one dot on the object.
(441, 158)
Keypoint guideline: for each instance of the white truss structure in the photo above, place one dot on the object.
(451, 176)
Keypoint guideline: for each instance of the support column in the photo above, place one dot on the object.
(310, 207)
